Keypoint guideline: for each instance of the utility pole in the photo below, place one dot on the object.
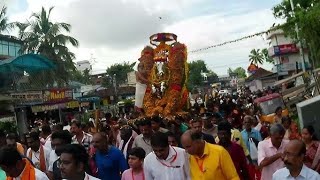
(299, 39)
(115, 84)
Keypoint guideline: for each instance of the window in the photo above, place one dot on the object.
(1, 49)
(9, 48)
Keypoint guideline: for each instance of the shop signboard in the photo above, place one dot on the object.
(42, 108)
(57, 95)
(8, 119)
(29, 97)
(85, 104)
(285, 49)
(72, 104)
(105, 102)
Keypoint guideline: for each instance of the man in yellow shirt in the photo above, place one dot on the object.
(207, 161)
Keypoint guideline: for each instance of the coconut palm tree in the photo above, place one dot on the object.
(4, 24)
(42, 36)
(256, 57)
(266, 56)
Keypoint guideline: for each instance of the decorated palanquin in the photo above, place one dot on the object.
(166, 67)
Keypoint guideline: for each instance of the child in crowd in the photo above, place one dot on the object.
(135, 160)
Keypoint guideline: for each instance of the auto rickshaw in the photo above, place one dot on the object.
(268, 105)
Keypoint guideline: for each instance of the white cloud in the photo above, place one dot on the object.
(118, 25)
(116, 30)
(200, 32)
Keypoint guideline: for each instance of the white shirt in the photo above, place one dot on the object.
(47, 143)
(88, 177)
(305, 174)
(39, 175)
(36, 156)
(52, 158)
(175, 167)
(142, 142)
(67, 127)
(85, 142)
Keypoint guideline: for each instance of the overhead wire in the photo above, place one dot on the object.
(236, 40)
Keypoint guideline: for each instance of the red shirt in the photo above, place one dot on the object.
(239, 159)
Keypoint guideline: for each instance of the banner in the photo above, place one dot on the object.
(85, 104)
(28, 97)
(57, 95)
(8, 119)
(72, 104)
(42, 108)
(285, 49)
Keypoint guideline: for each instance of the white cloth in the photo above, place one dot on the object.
(140, 92)
(125, 149)
(258, 127)
(118, 139)
(93, 121)
(179, 168)
(305, 174)
(36, 156)
(67, 127)
(88, 177)
(52, 158)
(47, 144)
(142, 142)
(39, 175)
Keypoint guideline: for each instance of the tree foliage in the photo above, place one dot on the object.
(81, 77)
(239, 71)
(5, 26)
(42, 36)
(119, 71)
(195, 70)
(256, 57)
(307, 17)
(266, 56)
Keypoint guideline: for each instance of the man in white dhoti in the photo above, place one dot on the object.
(141, 86)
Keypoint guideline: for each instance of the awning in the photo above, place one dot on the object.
(26, 62)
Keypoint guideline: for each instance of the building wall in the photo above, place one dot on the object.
(131, 76)
(285, 63)
(268, 82)
(278, 39)
(255, 85)
(83, 65)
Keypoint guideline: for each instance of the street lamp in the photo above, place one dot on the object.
(299, 40)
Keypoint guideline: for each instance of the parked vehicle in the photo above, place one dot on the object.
(224, 92)
(295, 89)
(268, 105)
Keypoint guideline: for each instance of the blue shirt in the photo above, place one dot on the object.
(305, 174)
(110, 165)
(2, 174)
(253, 134)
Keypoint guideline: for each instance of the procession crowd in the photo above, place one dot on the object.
(224, 140)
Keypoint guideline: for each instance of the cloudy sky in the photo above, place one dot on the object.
(113, 31)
